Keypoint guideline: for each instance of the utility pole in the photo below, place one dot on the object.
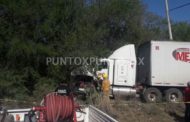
(168, 18)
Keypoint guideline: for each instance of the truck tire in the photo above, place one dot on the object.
(152, 95)
(173, 95)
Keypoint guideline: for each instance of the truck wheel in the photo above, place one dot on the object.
(152, 95)
(173, 95)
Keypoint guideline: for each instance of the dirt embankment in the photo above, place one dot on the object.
(136, 111)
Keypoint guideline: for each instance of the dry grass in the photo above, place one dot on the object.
(135, 111)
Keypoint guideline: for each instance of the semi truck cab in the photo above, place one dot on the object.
(121, 69)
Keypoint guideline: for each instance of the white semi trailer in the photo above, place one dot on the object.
(160, 70)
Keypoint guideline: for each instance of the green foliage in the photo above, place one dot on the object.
(11, 85)
(43, 87)
(155, 27)
(181, 31)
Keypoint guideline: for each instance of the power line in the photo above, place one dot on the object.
(181, 6)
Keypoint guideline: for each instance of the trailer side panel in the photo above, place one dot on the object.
(170, 63)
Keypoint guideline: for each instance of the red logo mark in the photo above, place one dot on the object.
(182, 54)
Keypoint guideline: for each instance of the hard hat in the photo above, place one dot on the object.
(104, 75)
(188, 84)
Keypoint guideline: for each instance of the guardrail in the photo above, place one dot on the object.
(96, 115)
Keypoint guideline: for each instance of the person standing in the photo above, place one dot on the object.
(98, 82)
(105, 85)
(187, 102)
(105, 103)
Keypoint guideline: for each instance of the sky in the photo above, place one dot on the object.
(178, 15)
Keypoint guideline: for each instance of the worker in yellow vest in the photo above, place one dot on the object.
(105, 104)
(105, 84)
